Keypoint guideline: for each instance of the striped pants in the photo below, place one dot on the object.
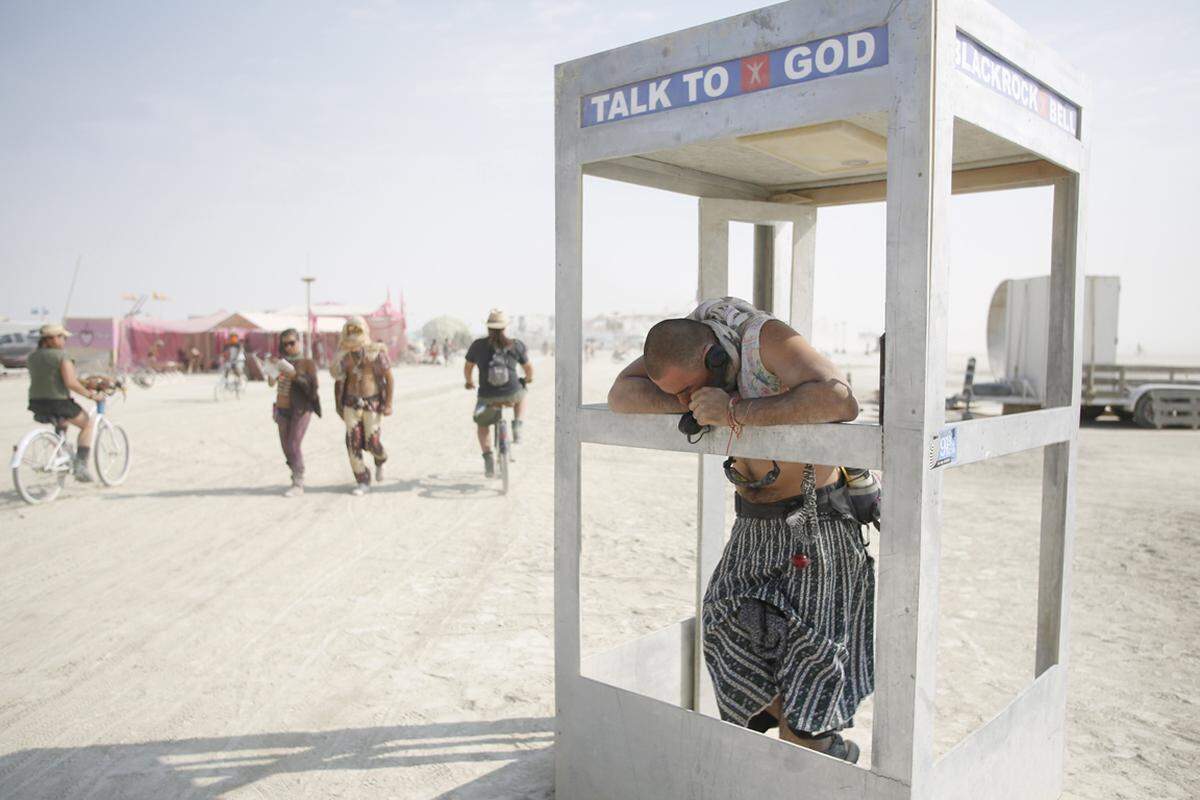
(790, 611)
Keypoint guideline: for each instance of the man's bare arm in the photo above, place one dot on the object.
(71, 380)
(634, 393)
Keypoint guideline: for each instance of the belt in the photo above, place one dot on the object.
(353, 401)
(831, 499)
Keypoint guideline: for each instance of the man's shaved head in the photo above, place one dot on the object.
(676, 343)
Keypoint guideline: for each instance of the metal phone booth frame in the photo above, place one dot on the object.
(965, 101)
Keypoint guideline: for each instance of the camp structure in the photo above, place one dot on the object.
(133, 341)
(766, 117)
(387, 323)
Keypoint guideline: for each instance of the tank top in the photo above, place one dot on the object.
(754, 379)
(45, 374)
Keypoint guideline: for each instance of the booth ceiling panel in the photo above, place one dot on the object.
(730, 158)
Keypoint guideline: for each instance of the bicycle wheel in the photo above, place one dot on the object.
(112, 453)
(40, 471)
(502, 455)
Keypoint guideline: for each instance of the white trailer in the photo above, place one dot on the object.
(1017, 341)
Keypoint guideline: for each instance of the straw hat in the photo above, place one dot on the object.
(497, 320)
(53, 330)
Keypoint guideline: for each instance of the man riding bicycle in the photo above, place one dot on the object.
(52, 378)
(497, 357)
(233, 358)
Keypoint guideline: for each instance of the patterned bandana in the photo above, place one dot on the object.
(728, 317)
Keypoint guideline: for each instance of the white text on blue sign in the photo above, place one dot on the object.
(984, 66)
(836, 55)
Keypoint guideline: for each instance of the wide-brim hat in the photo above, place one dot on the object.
(53, 330)
(497, 320)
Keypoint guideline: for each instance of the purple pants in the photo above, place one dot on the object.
(291, 433)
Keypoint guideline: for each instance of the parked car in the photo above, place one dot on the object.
(16, 346)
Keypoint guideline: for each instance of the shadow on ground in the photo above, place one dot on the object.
(452, 486)
(435, 487)
(213, 767)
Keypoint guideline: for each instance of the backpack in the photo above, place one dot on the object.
(499, 374)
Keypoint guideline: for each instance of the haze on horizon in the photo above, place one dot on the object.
(216, 153)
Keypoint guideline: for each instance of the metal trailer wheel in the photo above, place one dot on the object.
(112, 454)
(1143, 412)
(38, 475)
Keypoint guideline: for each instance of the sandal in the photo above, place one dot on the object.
(839, 748)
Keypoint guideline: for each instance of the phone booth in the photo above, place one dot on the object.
(766, 117)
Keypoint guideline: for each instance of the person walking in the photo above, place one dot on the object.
(362, 391)
(296, 399)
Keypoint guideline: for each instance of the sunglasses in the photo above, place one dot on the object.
(738, 479)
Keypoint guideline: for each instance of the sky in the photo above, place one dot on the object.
(216, 152)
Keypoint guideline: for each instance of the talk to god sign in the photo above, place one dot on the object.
(836, 55)
(823, 58)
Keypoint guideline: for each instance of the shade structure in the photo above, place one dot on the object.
(749, 114)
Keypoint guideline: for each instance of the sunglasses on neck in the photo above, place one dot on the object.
(738, 479)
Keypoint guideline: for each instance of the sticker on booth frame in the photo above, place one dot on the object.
(943, 449)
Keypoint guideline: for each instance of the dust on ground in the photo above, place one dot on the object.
(194, 634)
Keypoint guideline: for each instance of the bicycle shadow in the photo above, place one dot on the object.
(212, 767)
(458, 486)
(12, 500)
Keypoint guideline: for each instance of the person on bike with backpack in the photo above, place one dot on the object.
(52, 378)
(497, 357)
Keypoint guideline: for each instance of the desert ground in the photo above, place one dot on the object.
(194, 634)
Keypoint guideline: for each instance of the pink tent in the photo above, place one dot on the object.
(155, 342)
(388, 325)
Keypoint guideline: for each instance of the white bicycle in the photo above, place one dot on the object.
(230, 383)
(44, 458)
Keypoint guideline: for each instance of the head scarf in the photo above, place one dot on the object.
(728, 318)
(353, 340)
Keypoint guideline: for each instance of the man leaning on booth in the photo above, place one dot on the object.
(789, 611)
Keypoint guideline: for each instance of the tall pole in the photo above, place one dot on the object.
(71, 291)
(308, 326)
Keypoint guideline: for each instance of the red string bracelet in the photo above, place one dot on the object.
(735, 427)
